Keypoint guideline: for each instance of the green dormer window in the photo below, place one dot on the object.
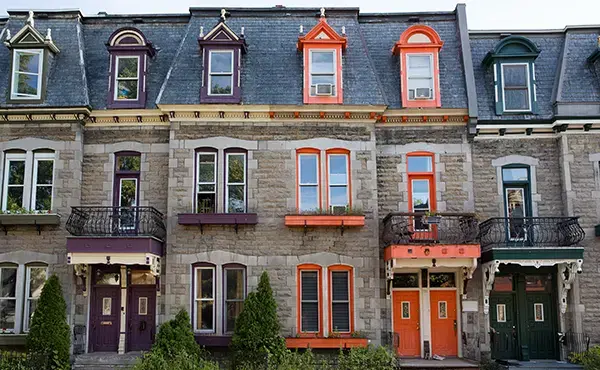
(513, 64)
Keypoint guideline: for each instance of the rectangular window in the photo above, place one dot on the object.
(127, 78)
(235, 187)
(235, 293)
(36, 278)
(206, 175)
(308, 182)
(340, 301)
(8, 298)
(309, 301)
(405, 281)
(421, 180)
(420, 76)
(501, 313)
(14, 182)
(421, 201)
(322, 73)
(43, 170)
(338, 182)
(27, 74)
(515, 209)
(204, 297)
(220, 76)
(515, 87)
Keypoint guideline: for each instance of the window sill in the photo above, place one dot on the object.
(209, 340)
(332, 343)
(29, 219)
(325, 220)
(12, 340)
(217, 219)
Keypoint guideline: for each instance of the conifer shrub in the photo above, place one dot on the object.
(366, 358)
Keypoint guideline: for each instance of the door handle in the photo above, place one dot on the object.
(142, 325)
(455, 326)
(418, 325)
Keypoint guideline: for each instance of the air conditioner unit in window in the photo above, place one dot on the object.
(421, 93)
(338, 210)
(324, 89)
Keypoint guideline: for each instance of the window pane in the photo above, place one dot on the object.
(15, 198)
(323, 79)
(406, 281)
(341, 316)
(220, 85)
(44, 172)
(127, 89)
(16, 172)
(516, 99)
(339, 196)
(537, 283)
(337, 169)
(28, 62)
(419, 66)
(43, 198)
(8, 278)
(107, 277)
(442, 280)
(235, 283)
(308, 169)
(129, 163)
(142, 277)
(419, 164)
(503, 284)
(236, 199)
(515, 199)
(233, 311)
(206, 188)
(204, 315)
(236, 167)
(205, 283)
(515, 174)
(420, 195)
(7, 314)
(31, 309)
(339, 282)
(221, 62)
(37, 278)
(310, 285)
(207, 172)
(128, 193)
(322, 62)
(309, 198)
(27, 84)
(205, 203)
(310, 317)
(128, 67)
(515, 75)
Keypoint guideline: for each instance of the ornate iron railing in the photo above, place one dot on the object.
(418, 228)
(116, 221)
(530, 232)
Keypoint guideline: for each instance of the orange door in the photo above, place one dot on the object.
(444, 327)
(406, 323)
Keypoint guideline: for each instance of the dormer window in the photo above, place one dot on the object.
(129, 51)
(220, 75)
(418, 49)
(513, 66)
(27, 74)
(322, 50)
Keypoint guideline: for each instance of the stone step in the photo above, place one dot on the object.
(541, 365)
(105, 361)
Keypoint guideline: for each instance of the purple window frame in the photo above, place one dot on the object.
(125, 175)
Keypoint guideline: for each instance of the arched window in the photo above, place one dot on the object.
(341, 298)
(310, 299)
(204, 289)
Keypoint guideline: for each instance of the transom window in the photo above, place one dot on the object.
(420, 76)
(204, 297)
(338, 182)
(127, 78)
(235, 186)
(220, 77)
(27, 74)
(309, 182)
(515, 87)
(322, 73)
(28, 182)
(207, 182)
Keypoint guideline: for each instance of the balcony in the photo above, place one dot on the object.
(441, 228)
(531, 238)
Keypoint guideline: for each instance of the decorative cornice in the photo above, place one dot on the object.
(43, 114)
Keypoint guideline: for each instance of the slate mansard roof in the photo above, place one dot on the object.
(272, 69)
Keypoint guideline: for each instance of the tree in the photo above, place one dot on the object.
(256, 336)
(49, 332)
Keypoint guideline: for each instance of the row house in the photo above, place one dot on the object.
(404, 181)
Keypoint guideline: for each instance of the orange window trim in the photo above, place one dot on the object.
(422, 176)
(319, 269)
(350, 270)
(404, 48)
(318, 154)
(349, 174)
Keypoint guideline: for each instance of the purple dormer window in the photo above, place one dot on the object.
(129, 52)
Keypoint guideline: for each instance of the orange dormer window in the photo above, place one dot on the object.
(419, 48)
(322, 50)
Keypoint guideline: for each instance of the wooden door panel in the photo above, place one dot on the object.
(444, 325)
(407, 323)
(542, 336)
(141, 325)
(503, 326)
(105, 319)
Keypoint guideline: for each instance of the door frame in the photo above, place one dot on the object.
(130, 306)
(90, 300)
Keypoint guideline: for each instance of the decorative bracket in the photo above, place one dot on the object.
(489, 274)
(154, 266)
(566, 277)
(81, 271)
(468, 275)
(389, 276)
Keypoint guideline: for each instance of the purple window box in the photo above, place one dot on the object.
(213, 340)
(201, 219)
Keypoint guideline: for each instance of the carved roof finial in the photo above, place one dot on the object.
(8, 37)
(223, 15)
(301, 29)
(242, 33)
(343, 30)
(49, 35)
(201, 31)
(30, 18)
(322, 12)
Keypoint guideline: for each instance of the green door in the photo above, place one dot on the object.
(504, 326)
(540, 326)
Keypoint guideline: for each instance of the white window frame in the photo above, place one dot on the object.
(13, 157)
(213, 299)
(412, 194)
(226, 300)
(348, 301)
(319, 282)
(15, 70)
(528, 87)
(211, 73)
(346, 184)
(310, 72)
(432, 78)
(301, 184)
(117, 78)
(37, 157)
(198, 182)
(227, 183)
(15, 298)
(27, 297)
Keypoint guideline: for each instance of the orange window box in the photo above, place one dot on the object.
(326, 342)
(324, 220)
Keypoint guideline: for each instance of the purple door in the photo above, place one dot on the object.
(141, 325)
(104, 318)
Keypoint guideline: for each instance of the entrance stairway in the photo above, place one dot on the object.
(106, 361)
(446, 364)
(539, 365)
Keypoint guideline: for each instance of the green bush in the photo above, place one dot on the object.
(366, 358)
(256, 337)
(49, 332)
(301, 361)
(157, 360)
(589, 359)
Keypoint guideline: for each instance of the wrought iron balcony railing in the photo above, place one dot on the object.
(116, 221)
(549, 232)
(418, 228)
